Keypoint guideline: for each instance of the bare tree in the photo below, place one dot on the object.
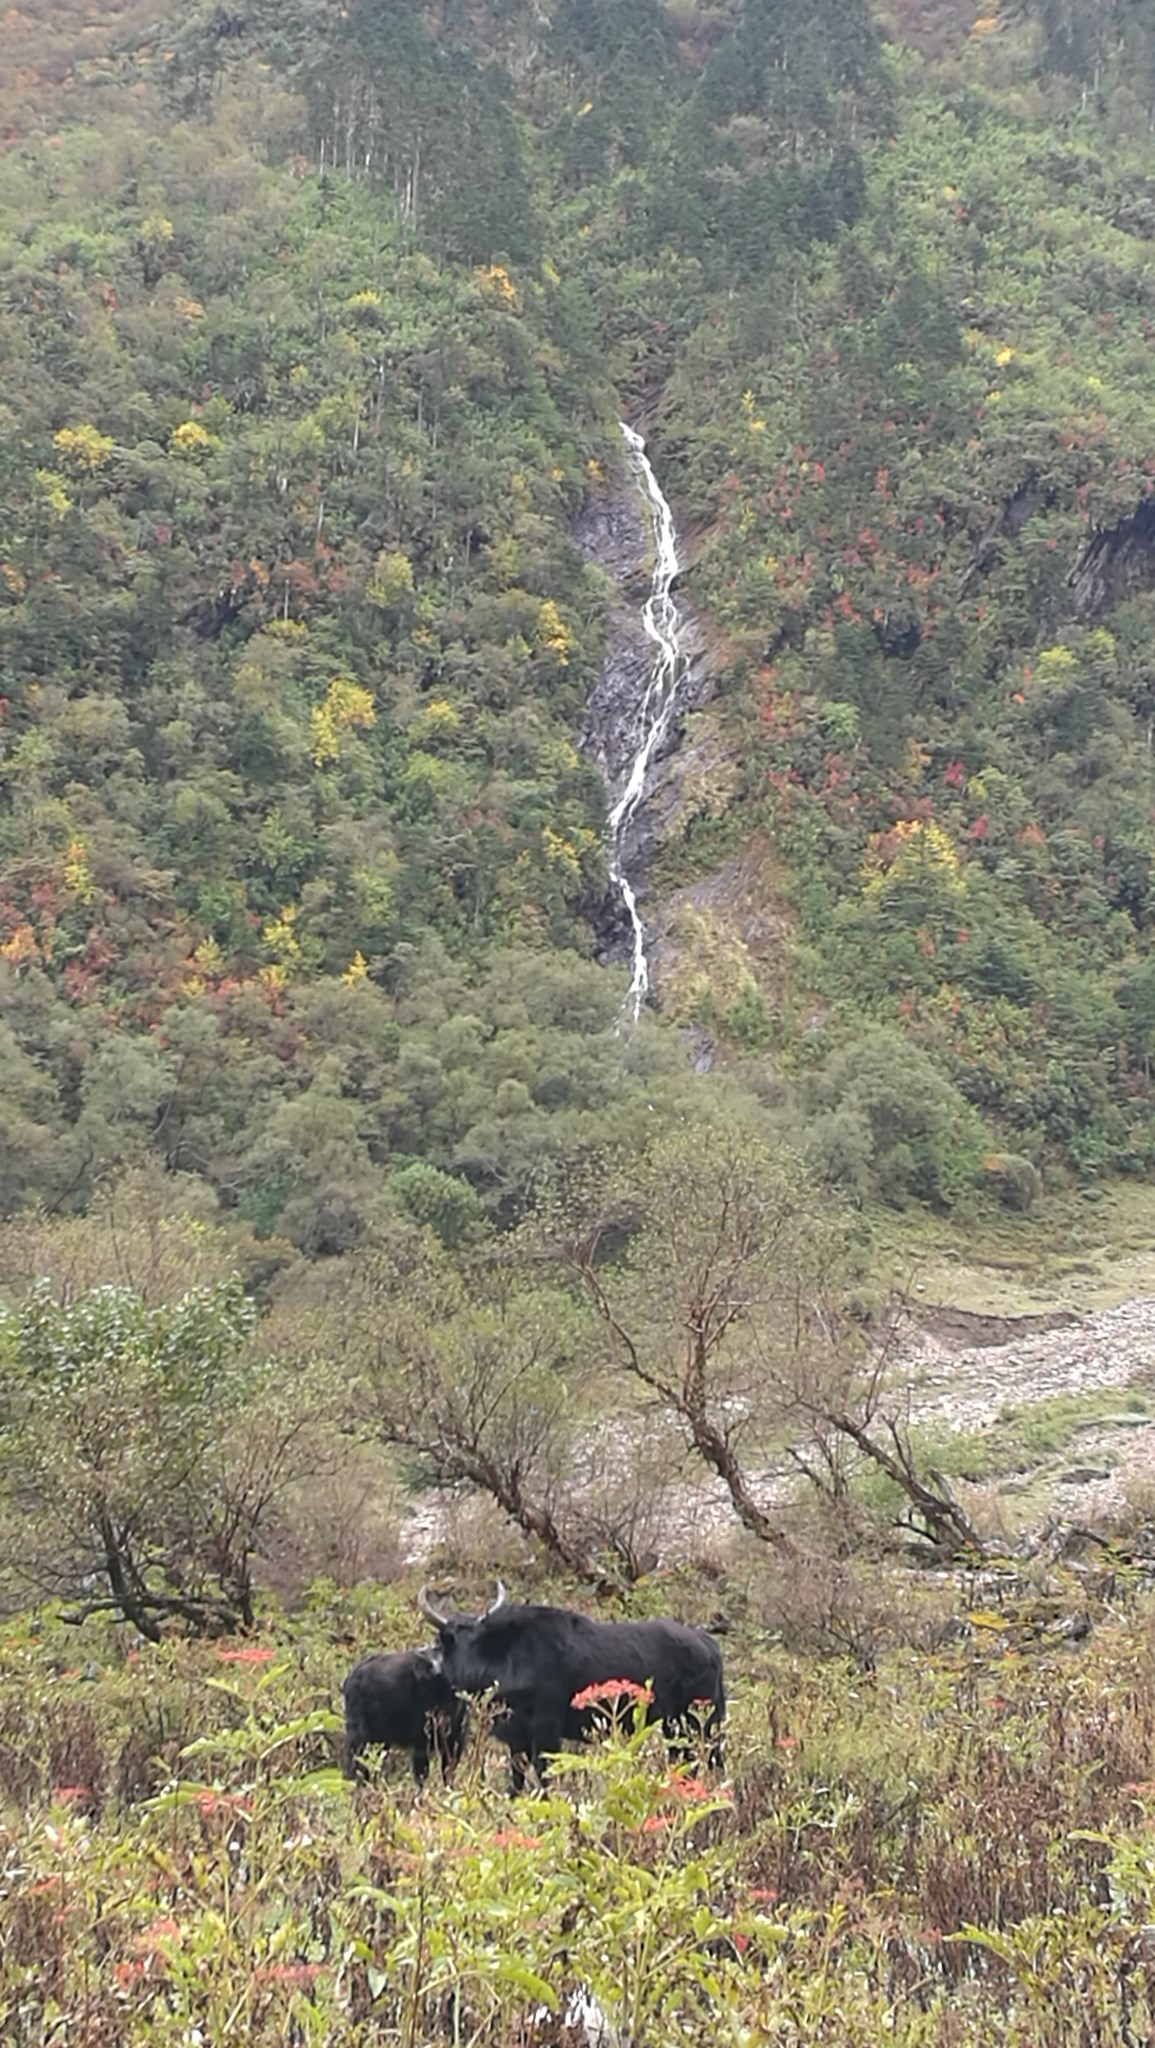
(469, 1364)
(715, 1270)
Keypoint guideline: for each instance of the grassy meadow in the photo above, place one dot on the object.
(951, 1848)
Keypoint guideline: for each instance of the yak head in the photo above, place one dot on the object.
(465, 1647)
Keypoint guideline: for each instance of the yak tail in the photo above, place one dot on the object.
(356, 1738)
(713, 1727)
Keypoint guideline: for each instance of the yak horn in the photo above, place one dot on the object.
(498, 1600)
(425, 1606)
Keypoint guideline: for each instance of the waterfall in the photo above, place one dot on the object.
(666, 672)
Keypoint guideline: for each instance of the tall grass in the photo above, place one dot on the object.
(956, 1851)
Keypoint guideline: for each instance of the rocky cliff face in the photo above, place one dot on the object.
(1116, 563)
(613, 532)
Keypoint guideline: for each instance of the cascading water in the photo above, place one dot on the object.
(666, 673)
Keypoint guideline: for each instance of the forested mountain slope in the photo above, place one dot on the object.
(317, 321)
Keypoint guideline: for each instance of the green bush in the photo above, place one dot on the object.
(1014, 1180)
(888, 1122)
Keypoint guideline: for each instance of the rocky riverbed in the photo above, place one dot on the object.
(955, 1370)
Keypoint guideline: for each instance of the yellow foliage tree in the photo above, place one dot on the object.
(50, 484)
(437, 720)
(561, 853)
(912, 851)
(346, 706)
(496, 283)
(282, 941)
(553, 635)
(391, 584)
(77, 873)
(83, 450)
(191, 439)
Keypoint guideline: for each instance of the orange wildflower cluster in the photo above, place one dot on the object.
(296, 1976)
(250, 1653)
(689, 1790)
(142, 1965)
(609, 1692)
(227, 1803)
(164, 1929)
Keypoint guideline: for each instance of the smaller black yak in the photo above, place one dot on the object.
(400, 1699)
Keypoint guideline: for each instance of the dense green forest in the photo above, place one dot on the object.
(317, 322)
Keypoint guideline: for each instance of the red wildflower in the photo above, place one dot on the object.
(689, 1789)
(765, 1894)
(610, 1690)
(512, 1838)
(69, 1795)
(230, 1803)
(250, 1654)
(741, 1941)
(164, 1929)
(655, 1823)
(298, 1976)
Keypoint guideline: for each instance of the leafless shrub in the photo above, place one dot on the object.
(459, 1530)
(148, 1230)
(714, 1272)
(346, 1529)
(837, 1599)
(623, 1501)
